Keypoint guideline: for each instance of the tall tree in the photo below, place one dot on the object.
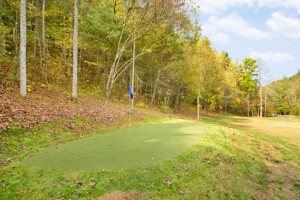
(260, 87)
(75, 50)
(23, 49)
(44, 64)
(3, 45)
(248, 82)
(133, 63)
(140, 18)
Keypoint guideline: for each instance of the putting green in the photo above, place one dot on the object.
(123, 149)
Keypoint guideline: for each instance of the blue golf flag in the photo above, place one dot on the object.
(130, 92)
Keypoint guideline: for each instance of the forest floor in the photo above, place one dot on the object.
(236, 158)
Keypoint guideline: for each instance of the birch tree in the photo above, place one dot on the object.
(133, 62)
(75, 51)
(260, 86)
(262, 70)
(44, 70)
(23, 49)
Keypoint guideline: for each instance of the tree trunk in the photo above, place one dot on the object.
(177, 101)
(265, 103)
(290, 103)
(198, 103)
(44, 42)
(75, 51)
(132, 86)
(23, 49)
(226, 106)
(206, 108)
(4, 34)
(154, 90)
(260, 94)
(35, 34)
(248, 105)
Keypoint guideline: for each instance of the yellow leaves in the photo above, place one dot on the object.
(238, 100)
(28, 89)
(91, 63)
(92, 184)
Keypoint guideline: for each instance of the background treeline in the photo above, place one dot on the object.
(174, 66)
(284, 95)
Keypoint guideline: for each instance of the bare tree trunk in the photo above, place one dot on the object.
(132, 84)
(75, 51)
(44, 42)
(23, 49)
(3, 3)
(260, 93)
(290, 103)
(198, 103)
(177, 101)
(226, 106)
(248, 104)
(206, 108)
(35, 34)
(154, 90)
(266, 103)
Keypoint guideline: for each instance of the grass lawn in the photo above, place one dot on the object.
(228, 162)
(286, 129)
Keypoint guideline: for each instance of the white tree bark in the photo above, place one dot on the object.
(75, 50)
(132, 84)
(44, 41)
(265, 102)
(260, 90)
(261, 101)
(198, 103)
(199, 93)
(23, 49)
(35, 35)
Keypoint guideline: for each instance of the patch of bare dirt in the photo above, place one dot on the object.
(117, 195)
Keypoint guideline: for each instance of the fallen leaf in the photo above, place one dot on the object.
(92, 184)
(181, 192)
(79, 184)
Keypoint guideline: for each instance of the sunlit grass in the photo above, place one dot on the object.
(228, 163)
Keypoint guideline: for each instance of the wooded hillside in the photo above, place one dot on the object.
(156, 46)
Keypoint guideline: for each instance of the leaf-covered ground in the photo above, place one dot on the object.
(43, 106)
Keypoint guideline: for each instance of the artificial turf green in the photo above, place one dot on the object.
(123, 149)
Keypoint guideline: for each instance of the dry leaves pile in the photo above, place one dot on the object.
(45, 106)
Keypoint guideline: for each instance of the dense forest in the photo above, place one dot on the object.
(284, 95)
(154, 45)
